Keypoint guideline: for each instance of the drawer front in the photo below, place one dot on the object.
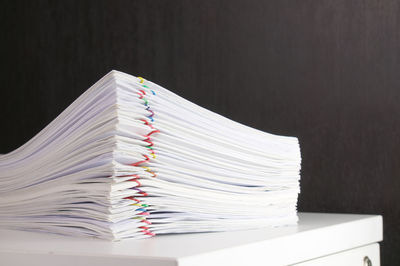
(362, 256)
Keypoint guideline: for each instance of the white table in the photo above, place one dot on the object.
(319, 239)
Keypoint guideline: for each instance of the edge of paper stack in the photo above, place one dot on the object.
(130, 159)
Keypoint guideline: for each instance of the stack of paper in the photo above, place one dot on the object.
(130, 159)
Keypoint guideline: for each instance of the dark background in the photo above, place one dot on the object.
(325, 71)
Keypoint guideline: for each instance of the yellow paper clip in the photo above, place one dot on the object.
(146, 168)
(149, 171)
(141, 80)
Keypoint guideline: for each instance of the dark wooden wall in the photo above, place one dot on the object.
(325, 71)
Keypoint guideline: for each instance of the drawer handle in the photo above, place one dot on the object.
(367, 261)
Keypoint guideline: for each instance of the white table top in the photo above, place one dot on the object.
(316, 235)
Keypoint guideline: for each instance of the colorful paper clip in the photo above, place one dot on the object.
(132, 198)
(146, 221)
(141, 162)
(147, 123)
(152, 132)
(137, 181)
(142, 207)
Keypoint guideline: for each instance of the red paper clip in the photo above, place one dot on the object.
(150, 233)
(137, 181)
(147, 123)
(152, 132)
(146, 221)
(132, 198)
(148, 140)
(144, 194)
(141, 162)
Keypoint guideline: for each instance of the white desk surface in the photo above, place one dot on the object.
(316, 235)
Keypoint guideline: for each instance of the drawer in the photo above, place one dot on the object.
(353, 257)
